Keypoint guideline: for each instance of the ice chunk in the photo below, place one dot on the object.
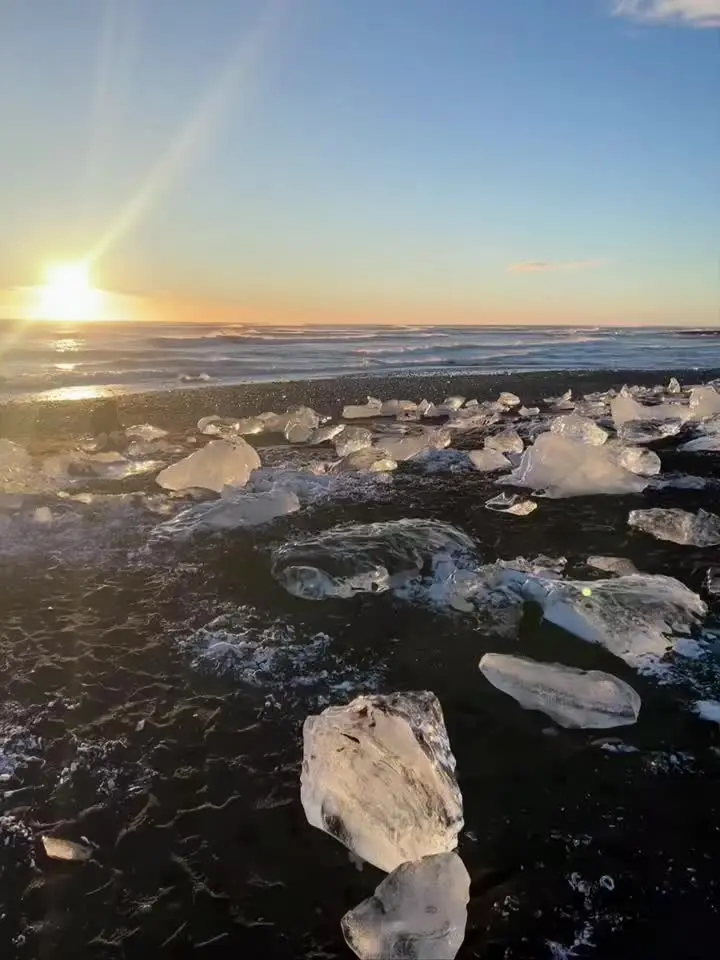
(371, 459)
(701, 529)
(508, 400)
(364, 558)
(406, 448)
(301, 424)
(145, 431)
(566, 468)
(511, 503)
(394, 408)
(58, 849)
(705, 444)
(449, 406)
(673, 386)
(328, 432)
(43, 515)
(373, 408)
(579, 428)
(16, 468)
(488, 460)
(643, 462)
(231, 512)
(218, 464)
(625, 408)
(708, 710)
(378, 775)
(418, 912)
(648, 431)
(712, 582)
(529, 411)
(352, 439)
(572, 698)
(633, 617)
(619, 565)
(509, 441)
(704, 402)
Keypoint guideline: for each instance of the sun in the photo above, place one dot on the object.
(68, 294)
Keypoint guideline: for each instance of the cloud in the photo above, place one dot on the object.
(691, 13)
(550, 266)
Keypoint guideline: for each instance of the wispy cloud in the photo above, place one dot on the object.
(553, 266)
(691, 13)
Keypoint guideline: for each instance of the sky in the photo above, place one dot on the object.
(526, 161)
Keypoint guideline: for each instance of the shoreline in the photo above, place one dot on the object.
(179, 409)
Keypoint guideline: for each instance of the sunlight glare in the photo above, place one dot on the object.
(68, 294)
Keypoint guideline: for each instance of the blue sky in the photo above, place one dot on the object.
(336, 159)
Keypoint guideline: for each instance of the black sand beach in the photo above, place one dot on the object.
(181, 770)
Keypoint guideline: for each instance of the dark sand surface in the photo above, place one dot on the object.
(182, 770)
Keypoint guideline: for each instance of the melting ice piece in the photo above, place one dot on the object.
(328, 432)
(58, 849)
(588, 699)
(704, 402)
(406, 448)
(145, 431)
(633, 617)
(646, 463)
(712, 582)
(371, 459)
(301, 424)
(708, 710)
(366, 558)
(705, 444)
(673, 386)
(507, 399)
(509, 441)
(566, 468)
(418, 912)
(579, 428)
(394, 408)
(378, 775)
(648, 431)
(352, 439)
(218, 464)
(488, 460)
(229, 513)
(619, 565)
(449, 406)
(624, 408)
(373, 408)
(529, 411)
(511, 503)
(701, 529)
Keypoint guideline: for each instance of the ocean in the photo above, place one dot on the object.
(81, 360)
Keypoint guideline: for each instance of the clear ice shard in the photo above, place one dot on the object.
(366, 558)
(708, 443)
(368, 459)
(634, 617)
(327, 432)
(352, 439)
(701, 529)
(625, 408)
(301, 424)
(216, 426)
(704, 402)
(648, 431)
(407, 448)
(509, 441)
(584, 699)
(418, 912)
(488, 460)
(218, 464)
(566, 468)
(231, 512)
(373, 408)
(511, 503)
(378, 774)
(645, 463)
(579, 428)
(144, 431)
(618, 565)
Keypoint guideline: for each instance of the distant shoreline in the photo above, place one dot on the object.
(179, 409)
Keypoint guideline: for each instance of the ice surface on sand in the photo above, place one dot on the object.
(704, 402)
(509, 441)
(352, 439)
(701, 529)
(145, 431)
(634, 617)
(406, 448)
(229, 513)
(218, 464)
(366, 558)
(373, 408)
(708, 710)
(488, 460)
(511, 503)
(619, 565)
(566, 468)
(579, 428)
(571, 697)
(378, 775)
(418, 912)
(370, 459)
